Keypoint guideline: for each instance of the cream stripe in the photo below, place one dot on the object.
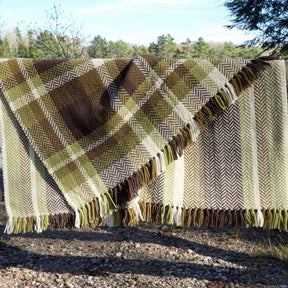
(179, 182)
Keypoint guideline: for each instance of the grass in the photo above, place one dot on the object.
(280, 252)
(274, 246)
(222, 236)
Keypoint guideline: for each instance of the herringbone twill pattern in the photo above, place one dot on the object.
(109, 141)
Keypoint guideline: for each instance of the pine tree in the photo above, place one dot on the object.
(164, 47)
(98, 48)
(200, 49)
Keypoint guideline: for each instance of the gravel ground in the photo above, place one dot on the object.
(149, 255)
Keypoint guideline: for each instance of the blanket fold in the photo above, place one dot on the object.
(109, 142)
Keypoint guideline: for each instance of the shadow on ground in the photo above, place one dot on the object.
(253, 272)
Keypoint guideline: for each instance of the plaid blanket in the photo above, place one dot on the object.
(105, 142)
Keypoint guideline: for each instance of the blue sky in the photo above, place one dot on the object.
(137, 22)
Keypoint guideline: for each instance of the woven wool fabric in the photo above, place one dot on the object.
(238, 165)
(102, 142)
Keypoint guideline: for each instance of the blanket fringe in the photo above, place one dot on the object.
(226, 96)
(89, 215)
(154, 212)
(214, 218)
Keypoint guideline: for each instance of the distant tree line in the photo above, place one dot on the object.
(60, 37)
(45, 44)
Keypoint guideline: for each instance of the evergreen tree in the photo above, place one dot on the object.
(136, 50)
(34, 51)
(200, 49)
(118, 49)
(46, 46)
(164, 47)
(5, 51)
(98, 48)
(249, 52)
(229, 51)
(267, 18)
(214, 53)
(20, 49)
(187, 50)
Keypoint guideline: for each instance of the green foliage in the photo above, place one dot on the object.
(268, 19)
(118, 49)
(98, 48)
(164, 47)
(5, 51)
(201, 49)
(44, 44)
(136, 50)
(60, 38)
(229, 51)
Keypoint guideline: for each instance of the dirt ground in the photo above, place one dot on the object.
(149, 255)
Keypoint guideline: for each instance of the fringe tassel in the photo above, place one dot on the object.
(229, 218)
(109, 205)
(163, 214)
(177, 217)
(268, 219)
(162, 161)
(37, 226)
(149, 212)
(285, 220)
(117, 218)
(169, 215)
(156, 212)
(214, 218)
(201, 218)
(222, 218)
(194, 129)
(143, 210)
(194, 216)
(277, 219)
(168, 154)
(183, 216)
(9, 225)
(188, 217)
(206, 217)
(219, 100)
(260, 218)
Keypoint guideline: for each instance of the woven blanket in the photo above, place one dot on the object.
(118, 141)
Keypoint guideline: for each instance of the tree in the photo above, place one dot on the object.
(229, 51)
(60, 36)
(98, 48)
(118, 49)
(267, 18)
(47, 46)
(164, 47)
(186, 49)
(5, 51)
(136, 50)
(246, 52)
(201, 49)
(20, 49)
